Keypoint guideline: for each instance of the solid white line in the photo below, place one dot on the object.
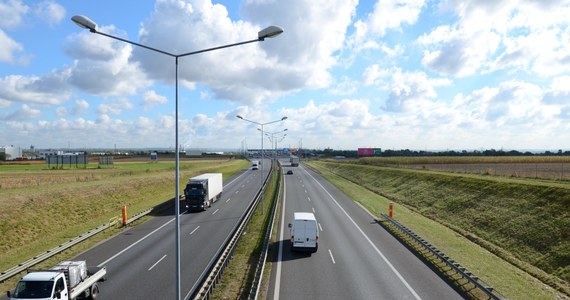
(215, 211)
(332, 257)
(370, 242)
(156, 263)
(194, 230)
(280, 252)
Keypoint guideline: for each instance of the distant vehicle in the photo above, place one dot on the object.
(67, 280)
(294, 161)
(289, 172)
(201, 191)
(304, 232)
(254, 165)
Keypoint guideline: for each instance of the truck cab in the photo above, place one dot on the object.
(41, 285)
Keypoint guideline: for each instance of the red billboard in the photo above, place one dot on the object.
(369, 151)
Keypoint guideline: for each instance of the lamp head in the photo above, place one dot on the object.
(269, 32)
(84, 22)
(239, 117)
(284, 118)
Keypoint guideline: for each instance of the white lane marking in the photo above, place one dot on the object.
(152, 232)
(314, 210)
(156, 263)
(370, 242)
(280, 252)
(332, 257)
(194, 230)
(320, 227)
(237, 192)
(309, 198)
(228, 200)
(134, 244)
(215, 211)
(306, 192)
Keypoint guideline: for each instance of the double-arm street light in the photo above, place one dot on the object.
(268, 32)
(261, 124)
(273, 138)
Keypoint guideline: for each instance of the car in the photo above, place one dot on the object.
(289, 172)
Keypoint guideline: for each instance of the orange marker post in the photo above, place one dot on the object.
(391, 210)
(124, 211)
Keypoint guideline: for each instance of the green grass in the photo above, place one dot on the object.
(41, 209)
(529, 221)
(238, 276)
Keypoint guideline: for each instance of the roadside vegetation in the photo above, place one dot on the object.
(525, 222)
(41, 208)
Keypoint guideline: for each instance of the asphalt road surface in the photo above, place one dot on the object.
(356, 258)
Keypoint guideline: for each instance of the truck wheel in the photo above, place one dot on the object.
(94, 291)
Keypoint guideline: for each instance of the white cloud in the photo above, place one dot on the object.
(151, 98)
(496, 35)
(116, 107)
(387, 15)
(49, 11)
(26, 112)
(49, 89)
(11, 13)
(8, 48)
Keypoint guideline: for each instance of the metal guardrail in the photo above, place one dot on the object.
(37, 259)
(62, 247)
(203, 288)
(462, 271)
(254, 290)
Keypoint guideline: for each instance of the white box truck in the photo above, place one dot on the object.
(201, 191)
(67, 280)
(304, 232)
(294, 161)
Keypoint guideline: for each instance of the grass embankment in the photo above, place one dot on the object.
(524, 222)
(41, 208)
(238, 277)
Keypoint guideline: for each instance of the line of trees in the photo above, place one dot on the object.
(407, 152)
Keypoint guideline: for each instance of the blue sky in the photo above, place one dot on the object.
(391, 74)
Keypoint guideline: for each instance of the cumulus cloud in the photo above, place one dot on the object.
(49, 11)
(497, 35)
(8, 48)
(12, 13)
(151, 98)
(25, 112)
(49, 89)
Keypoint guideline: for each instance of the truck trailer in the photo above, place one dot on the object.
(294, 161)
(201, 191)
(68, 280)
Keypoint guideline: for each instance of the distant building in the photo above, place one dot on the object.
(11, 152)
(46, 153)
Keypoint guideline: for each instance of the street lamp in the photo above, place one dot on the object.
(269, 32)
(261, 124)
(273, 138)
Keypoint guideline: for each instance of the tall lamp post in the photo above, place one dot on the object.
(269, 32)
(273, 138)
(261, 124)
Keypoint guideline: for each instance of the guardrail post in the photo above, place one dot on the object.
(124, 214)
(391, 210)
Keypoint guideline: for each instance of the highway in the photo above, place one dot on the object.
(141, 260)
(356, 259)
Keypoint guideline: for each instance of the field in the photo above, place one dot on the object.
(40, 207)
(523, 221)
(537, 167)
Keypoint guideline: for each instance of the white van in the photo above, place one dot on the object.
(304, 232)
(254, 165)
